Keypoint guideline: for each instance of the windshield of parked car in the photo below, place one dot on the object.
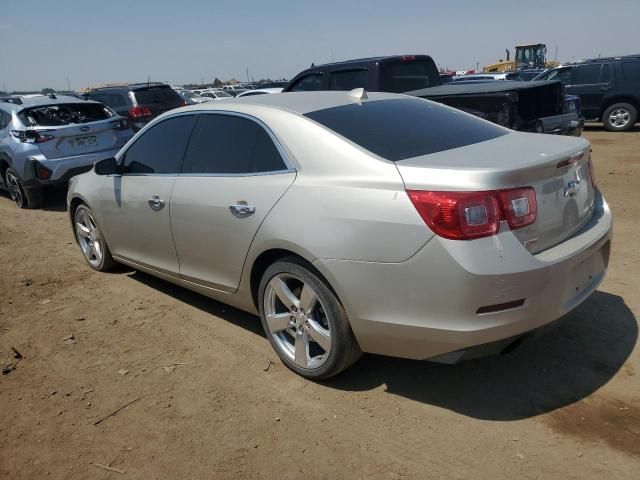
(64, 114)
(419, 127)
(222, 95)
(401, 76)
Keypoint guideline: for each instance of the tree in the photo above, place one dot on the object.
(47, 91)
(217, 82)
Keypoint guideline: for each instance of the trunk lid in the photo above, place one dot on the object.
(556, 167)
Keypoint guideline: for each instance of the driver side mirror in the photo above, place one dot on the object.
(108, 166)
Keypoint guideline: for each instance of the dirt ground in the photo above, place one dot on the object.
(211, 400)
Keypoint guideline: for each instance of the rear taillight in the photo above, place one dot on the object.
(120, 124)
(140, 112)
(42, 172)
(31, 136)
(518, 206)
(469, 215)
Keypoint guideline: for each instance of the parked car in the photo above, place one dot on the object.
(234, 90)
(191, 98)
(527, 106)
(45, 140)
(421, 237)
(215, 94)
(608, 87)
(258, 91)
(139, 102)
(515, 76)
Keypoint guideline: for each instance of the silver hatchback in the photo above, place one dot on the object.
(354, 222)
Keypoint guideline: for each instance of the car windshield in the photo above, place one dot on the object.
(419, 127)
(222, 94)
(64, 114)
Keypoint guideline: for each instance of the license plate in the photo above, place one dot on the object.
(83, 141)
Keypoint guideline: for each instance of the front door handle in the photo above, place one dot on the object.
(156, 203)
(242, 210)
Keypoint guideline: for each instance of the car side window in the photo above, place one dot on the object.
(308, 83)
(229, 144)
(160, 150)
(562, 74)
(585, 74)
(348, 80)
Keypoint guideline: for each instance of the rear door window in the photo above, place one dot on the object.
(419, 127)
(309, 83)
(348, 80)
(585, 74)
(114, 100)
(231, 145)
(160, 149)
(631, 71)
(405, 75)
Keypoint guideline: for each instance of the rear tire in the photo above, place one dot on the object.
(620, 117)
(23, 198)
(91, 240)
(323, 326)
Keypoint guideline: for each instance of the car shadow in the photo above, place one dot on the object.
(226, 312)
(598, 127)
(55, 199)
(563, 364)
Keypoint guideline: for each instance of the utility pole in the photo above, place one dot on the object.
(477, 66)
(247, 74)
(68, 85)
(555, 59)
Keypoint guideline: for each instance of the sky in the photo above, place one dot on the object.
(44, 43)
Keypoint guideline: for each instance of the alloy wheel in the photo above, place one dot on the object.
(15, 190)
(297, 320)
(88, 237)
(619, 118)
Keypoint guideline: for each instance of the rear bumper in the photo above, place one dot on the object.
(429, 305)
(62, 169)
(567, 124)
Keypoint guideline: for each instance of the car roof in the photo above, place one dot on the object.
(294, 102)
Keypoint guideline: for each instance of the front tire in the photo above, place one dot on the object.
(620, 117)
(91, 241)
(304, 321)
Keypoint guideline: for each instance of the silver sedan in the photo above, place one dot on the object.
(354, 222)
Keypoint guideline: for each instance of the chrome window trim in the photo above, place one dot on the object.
(290, 168)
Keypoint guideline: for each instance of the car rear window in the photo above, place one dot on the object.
(406, 75)
(64, 114)
(397, 129)
(163, 95)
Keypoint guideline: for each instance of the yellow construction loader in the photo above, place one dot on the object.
(530, 55)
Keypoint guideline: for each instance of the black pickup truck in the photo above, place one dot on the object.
(527, 106)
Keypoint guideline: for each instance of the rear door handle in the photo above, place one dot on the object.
(242, 210)
(156, 203)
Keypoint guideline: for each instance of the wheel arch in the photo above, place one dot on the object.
(635, 102)
(269, 256)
